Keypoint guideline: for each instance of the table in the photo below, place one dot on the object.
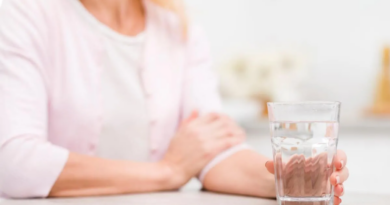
(187, 198)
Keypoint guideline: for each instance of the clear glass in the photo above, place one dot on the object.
(304, 139)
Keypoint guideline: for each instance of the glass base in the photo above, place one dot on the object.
(326, 200)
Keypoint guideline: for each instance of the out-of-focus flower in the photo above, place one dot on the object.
(272, 76)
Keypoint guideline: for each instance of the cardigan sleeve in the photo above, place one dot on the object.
(200, 81)
(29, 164)
(201, 89)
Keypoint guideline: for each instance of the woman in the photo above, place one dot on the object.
(102, 97)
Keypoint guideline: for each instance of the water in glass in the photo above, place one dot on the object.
(303, 155)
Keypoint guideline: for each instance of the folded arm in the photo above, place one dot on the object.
(197, 141)
(92, 176)
(242, 173)
(35, 168)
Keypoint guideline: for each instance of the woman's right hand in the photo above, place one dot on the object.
(197, 142)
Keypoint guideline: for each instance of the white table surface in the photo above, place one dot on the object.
(187, 198)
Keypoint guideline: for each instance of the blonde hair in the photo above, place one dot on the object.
(176, 6)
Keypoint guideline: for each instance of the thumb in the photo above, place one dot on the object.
(194, 114)
(270, 166)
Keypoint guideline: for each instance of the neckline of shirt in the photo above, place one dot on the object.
(107, 31)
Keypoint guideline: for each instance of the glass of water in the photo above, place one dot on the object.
(304, 141)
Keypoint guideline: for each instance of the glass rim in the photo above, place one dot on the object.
(305, 103)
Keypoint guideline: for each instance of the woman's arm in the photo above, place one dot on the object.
(242, 173)
(92, 176)
(30, 165)
(235, 174)
(249, 173)
(198, 140)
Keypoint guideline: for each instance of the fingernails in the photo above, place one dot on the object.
(337, 200)
(266, 163)
(342, 164)
(338, 179)
(342, 191)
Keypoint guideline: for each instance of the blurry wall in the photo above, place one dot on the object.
(342, 40)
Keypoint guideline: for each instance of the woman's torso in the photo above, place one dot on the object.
(78, 80)
(125, 127)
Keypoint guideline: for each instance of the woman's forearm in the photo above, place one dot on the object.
(243, 173)
(89, 176)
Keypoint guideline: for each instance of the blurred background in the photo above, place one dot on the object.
(293, 50)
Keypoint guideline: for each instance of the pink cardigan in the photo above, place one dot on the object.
(50, 95)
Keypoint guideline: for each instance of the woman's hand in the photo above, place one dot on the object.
(197, 142)
(337, 178)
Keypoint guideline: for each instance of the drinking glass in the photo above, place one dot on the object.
(304, 139)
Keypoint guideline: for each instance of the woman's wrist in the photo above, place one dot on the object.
(171, 178)
(151, 176)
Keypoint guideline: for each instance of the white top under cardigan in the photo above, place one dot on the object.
(125, 128)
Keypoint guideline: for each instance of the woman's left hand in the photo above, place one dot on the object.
(338, 177)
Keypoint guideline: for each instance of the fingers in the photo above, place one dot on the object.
(194, 114)
(219, 126)
(207, 119)
(198, 120)
(338, 177)
(225, 127)
(340, 160)
(229, 133)
(337, 200)
(219, 131)
(292, 187)
(270, 167)
(339, 190)
(225, 143)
